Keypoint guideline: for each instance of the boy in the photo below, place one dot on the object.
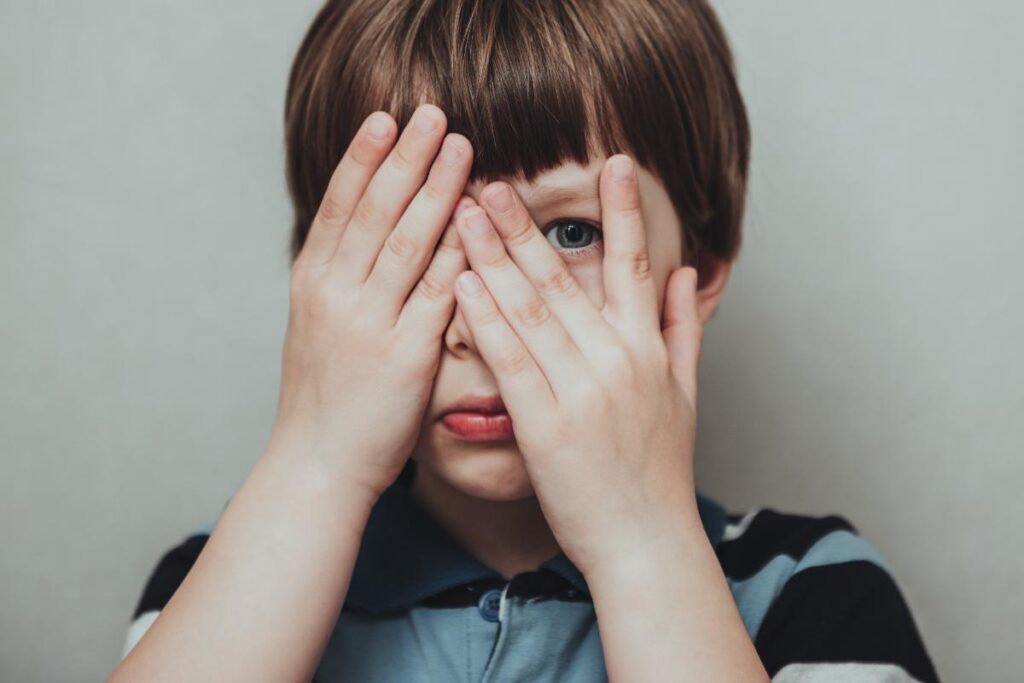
(484, 441)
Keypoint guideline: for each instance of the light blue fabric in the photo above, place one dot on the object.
(386, 633)
(546, 641)
(404, 557)
(755, 594)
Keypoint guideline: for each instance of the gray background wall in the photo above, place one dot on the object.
(865, 359)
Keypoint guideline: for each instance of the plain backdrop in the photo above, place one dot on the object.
(865, 360)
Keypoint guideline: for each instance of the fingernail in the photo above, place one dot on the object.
(423, 121)
(378, 126)
(622, 168)
(476, 221)
(500, 200)
(451, 151)
(469, 283)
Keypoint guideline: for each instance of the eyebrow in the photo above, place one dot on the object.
(547, 195)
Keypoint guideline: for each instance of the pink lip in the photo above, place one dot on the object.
(478, 418)
(478, 426)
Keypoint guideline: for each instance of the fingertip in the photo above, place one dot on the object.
(433, 111)
(684, 273)
(693, 276)
(621, 168)
(380, 125)
(619, 186)
(469, 283)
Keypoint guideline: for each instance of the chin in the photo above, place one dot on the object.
(493, 471)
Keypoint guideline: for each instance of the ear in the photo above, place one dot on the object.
(712, 277)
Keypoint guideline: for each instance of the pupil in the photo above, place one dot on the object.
(571, 234)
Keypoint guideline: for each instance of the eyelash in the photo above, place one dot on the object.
(595, 245)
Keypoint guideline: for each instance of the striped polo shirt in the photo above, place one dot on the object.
(818, 602)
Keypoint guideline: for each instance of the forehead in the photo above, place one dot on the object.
(572, 182)
(561, 183)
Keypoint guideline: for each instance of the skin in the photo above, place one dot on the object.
(376, 344)
(477, 489)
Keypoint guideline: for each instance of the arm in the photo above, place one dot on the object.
(371, 296)
(669, 615)
(264, 594)
(603, 408)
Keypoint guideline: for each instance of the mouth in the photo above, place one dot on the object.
(478, 418)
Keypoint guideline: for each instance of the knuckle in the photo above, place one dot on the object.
(533, 313)
(631, 211)
(514, 361)
(521, 233)
(432, 288)
(434, 191)
(331, 210)
(488, 315)
(494, 258)
(319, 303)
(404, 159)
(638, 264)
(365, 153)
(367, 214)
(448, 249)
(401, 246)
(557, 281)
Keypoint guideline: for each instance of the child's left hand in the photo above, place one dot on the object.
(602, 401)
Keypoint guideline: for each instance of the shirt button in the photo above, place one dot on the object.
(489, 604)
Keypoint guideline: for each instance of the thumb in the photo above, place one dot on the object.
(681, 327)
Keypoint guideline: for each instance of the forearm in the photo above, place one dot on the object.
(265, 593)
(670, 616)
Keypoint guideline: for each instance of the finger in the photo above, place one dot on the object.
(410, 246)
(541, 332)
(432, 301)
(388, 193)
(364, 155)
(545, 269)
(521, 383)
(630, 292)
(682, 329)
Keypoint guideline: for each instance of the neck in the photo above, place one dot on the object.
(509, 537)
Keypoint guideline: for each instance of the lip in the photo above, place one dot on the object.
(488, 405)
(478, 418)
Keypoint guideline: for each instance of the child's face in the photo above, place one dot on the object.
(494, 470)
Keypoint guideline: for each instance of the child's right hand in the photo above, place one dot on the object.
(370, 299)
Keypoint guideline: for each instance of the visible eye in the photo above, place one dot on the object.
(574, 236)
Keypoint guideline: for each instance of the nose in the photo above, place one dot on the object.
(458, 340)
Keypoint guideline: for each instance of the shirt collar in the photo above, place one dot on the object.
(406, 556)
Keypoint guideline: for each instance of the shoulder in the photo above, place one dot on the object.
(167, 574)
(783, 543)
(763, 551)
(813, 592)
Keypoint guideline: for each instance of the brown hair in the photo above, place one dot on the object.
(533, 84)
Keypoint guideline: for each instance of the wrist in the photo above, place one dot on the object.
(644, 557)
(307, 463)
